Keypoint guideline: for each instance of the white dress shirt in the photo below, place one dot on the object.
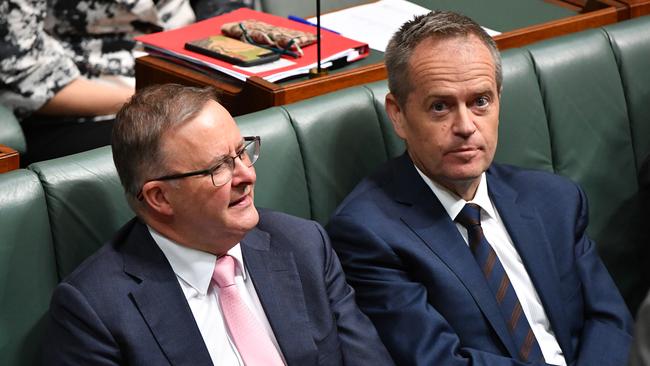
(193, 269)
(496, 234)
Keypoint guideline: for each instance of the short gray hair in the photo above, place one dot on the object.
(139, 128)
(436, 24)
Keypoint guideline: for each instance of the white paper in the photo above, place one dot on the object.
(277, 64)
(374, 23)
(325, 63)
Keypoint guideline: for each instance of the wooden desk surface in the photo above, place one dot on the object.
(257, 94)
(9, 159)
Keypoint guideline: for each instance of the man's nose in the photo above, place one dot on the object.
(464, 122)
(242, 174)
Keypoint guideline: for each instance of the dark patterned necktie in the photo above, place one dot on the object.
(497, 278)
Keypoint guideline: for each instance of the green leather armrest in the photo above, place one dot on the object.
(11, 134)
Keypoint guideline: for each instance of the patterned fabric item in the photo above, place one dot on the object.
(44, 45)
(267, 34)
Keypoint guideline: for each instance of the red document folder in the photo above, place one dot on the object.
(171, 45)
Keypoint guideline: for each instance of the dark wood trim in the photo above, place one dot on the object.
(256, 93)
(567, 4)
(9, 159)
(637, 7)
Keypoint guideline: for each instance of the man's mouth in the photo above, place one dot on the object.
(465, 153)
(463, 149)
(241, 199)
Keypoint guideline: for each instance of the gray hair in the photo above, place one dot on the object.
(436, 24)
(140, 126)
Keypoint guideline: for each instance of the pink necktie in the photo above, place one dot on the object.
(248, 334)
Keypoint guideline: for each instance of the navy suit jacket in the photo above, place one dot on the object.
(418, 282)
(124, 304)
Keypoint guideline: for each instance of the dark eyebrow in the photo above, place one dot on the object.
(439, 96)
(222, 158)
(487, 91)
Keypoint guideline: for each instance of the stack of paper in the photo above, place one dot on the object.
(171, 45)
(374, 23)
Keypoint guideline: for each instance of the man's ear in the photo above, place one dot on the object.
(154, 194)
(396, 115)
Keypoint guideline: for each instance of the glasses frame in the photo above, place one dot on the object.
(248, 140)
(282, 51)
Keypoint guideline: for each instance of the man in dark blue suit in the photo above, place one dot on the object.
(459, 261)
(200, 276)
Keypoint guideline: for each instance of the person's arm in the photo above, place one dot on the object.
(75, 334)
(83, 97)
(205, 9)
(33, 65)
(38, 76)
(412, 330)
(606, 334)
(360, 344)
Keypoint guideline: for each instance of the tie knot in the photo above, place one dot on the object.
(469, 216)
(224, 271)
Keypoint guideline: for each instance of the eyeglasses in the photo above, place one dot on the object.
(221, 172)
(283, 51)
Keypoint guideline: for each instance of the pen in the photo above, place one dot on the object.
(305, 21)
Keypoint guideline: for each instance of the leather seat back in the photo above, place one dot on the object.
(630, 41)
(591, 143)
(395, 146)
(11, 134)
(85, 201)
(341, 142)
(523, 129)
(27, 267)
(280, 168)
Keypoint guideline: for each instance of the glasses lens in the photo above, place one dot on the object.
(223, 173)
(252, 152)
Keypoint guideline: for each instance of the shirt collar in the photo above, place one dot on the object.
(194, 266)
(453, 204)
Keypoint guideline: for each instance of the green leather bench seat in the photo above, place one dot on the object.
(11, 134)
(523, 131)
(592, 143)
(631, 45)
(340, 141)
(85, 202)
(576, 105)
(394, 145)
(280, 168)
(27, 267)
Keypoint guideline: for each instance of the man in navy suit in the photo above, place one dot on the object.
(459, 261)
(200, 276)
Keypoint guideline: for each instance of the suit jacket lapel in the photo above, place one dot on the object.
(525, 229)
(275, 276)
(425, 215)
(161, 302)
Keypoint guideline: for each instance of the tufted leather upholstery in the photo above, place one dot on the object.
(27, 266)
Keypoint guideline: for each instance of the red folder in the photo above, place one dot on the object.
(172, 44)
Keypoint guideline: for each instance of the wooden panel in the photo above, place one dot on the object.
(256, 93)
(637, 7)
(9, 159)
